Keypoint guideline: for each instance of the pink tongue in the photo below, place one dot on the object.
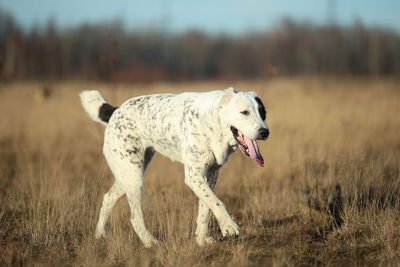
(254, 151)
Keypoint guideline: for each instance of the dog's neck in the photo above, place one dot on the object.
(221, 139)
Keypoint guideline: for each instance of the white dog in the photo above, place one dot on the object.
(200, 130)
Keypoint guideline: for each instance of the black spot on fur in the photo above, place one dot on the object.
(105, 112)
(132, 151)
(261, 108)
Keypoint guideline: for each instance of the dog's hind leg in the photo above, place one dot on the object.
(203, 216)
(109, 201)
(128, 165)
(128, 169)
(133, 187)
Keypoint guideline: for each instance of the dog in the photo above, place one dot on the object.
(200, 130)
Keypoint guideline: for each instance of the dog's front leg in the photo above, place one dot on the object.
(203, 217)
(195, 179)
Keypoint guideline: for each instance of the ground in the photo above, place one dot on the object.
(329, 193)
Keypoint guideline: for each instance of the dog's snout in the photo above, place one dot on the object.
(264, 133)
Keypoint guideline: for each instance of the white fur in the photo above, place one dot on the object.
(91, 101)
(192, 128)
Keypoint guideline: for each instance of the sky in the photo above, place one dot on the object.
(207, 15)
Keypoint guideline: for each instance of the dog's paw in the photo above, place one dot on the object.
(100, 234)
(205, 240)
(229, 227)
(150, 242)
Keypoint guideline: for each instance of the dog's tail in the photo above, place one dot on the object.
(96, 106)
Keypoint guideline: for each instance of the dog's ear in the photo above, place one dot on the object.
(228, 96)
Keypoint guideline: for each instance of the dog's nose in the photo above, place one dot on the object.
(264, 133)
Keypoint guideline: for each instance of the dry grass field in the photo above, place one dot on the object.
(329, 193)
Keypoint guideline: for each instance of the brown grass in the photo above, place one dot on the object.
(328, 195)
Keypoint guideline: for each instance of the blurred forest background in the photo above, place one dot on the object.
(109, 52)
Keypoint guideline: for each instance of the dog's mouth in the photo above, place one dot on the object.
(248, 146)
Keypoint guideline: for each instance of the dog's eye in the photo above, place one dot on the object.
(245, 112)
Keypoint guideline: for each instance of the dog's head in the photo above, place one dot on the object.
(245, 114)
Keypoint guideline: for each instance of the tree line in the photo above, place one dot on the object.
(109, 52)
